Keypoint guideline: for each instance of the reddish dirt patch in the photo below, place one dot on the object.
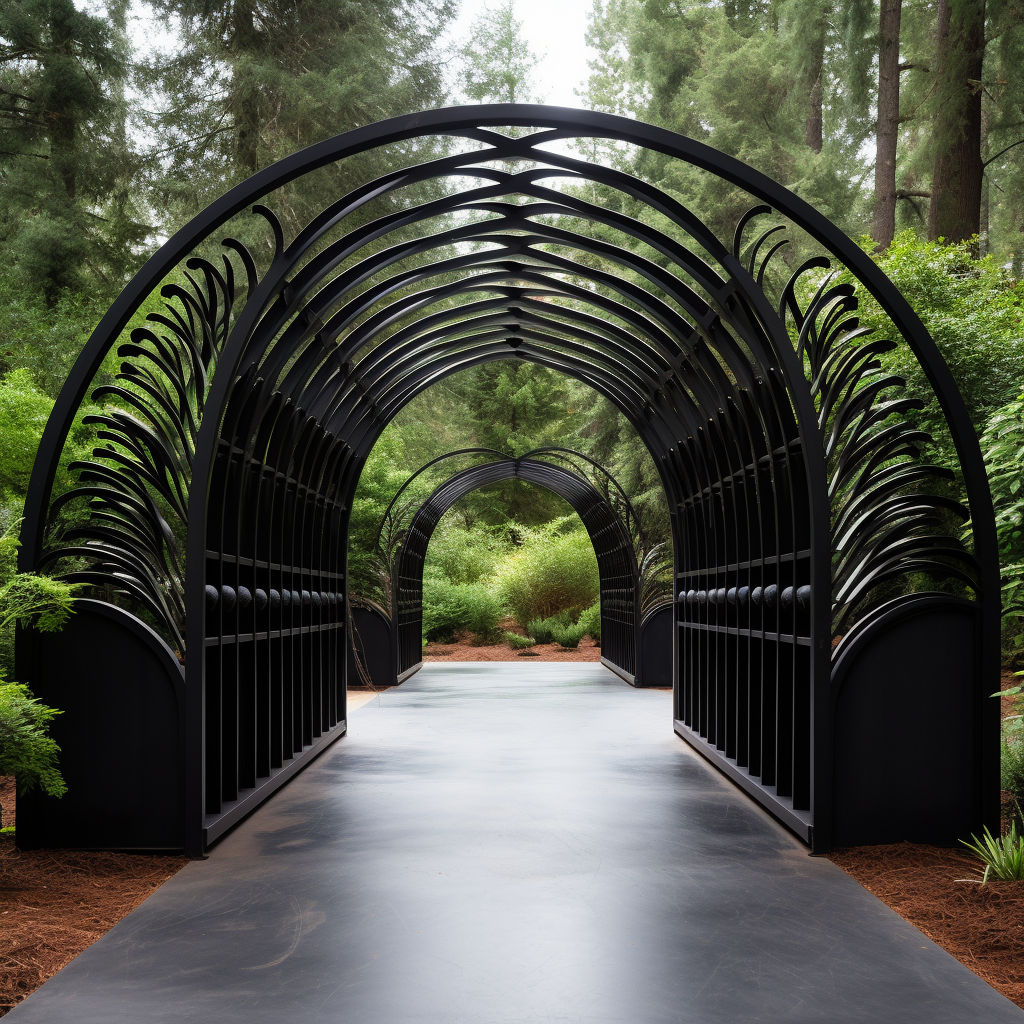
(55, 903)
(463, 650)
(982, 926)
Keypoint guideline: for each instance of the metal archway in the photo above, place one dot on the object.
(212, 519)
(613, 546)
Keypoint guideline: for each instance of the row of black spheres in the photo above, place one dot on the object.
(241, 597)
(760, 597)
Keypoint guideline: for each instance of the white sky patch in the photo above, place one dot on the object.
(555, 31)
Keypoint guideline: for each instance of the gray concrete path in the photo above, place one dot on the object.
(499, 843)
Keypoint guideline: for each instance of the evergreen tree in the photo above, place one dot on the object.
(1003, 133)
(66, 214)
(514, 407)
(254, 80)
(883, 225)
(497, 61)
(742, 78)
(954, 212)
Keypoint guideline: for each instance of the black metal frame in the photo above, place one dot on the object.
(795, 492)
(613, 546)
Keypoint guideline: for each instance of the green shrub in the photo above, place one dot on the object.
(1011, 760)
(26, 752)
(461, 555)
(1012, 768)
(551, 572)
(590, 621)
(453, 608)
(568, 636)
(542, 630)
(519, 643)
(482, 611)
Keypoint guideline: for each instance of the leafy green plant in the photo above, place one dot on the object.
(519, 643)
(1003, 857)
(1011, 761)
(568, 636)
(590, 621)
(542, 630)
(453, 608)
(26, 752)
(973, 311)
(1002, 444)
(461, 555)
(551, 572)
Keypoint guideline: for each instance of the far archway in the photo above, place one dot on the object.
(635, 641)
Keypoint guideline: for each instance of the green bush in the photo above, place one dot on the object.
(568, 636)
(542, 630)
(972, 310)
(461, 555)
(519, 643)
(551, 572)
(453, 608)
(26, 752)
(590, 622)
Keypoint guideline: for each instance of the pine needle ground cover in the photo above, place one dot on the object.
(56, 903)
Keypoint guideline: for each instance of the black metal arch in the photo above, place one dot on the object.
(234, 439)
(613, 547)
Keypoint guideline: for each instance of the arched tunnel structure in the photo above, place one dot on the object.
(833, 632)
(618, 569)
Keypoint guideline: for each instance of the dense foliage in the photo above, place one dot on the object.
(884, 115)
(26, 751)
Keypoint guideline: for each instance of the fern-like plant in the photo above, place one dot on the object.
(26, 752)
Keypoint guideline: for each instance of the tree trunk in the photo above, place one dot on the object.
(813, 30)
(985, 211)
(814, 121)
(955, 210)
(883, 225)
(246, 98)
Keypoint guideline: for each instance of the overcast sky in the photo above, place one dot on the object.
(554, 29)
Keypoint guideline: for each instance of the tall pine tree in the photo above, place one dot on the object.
(254, 80)
(67, 215)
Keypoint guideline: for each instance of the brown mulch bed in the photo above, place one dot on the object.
(982, 926)
(463, 650)
(55, 903)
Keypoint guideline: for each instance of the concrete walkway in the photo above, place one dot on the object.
(498, 843)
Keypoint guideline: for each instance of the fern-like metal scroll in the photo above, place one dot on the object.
(888, 521)
(137, 483)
